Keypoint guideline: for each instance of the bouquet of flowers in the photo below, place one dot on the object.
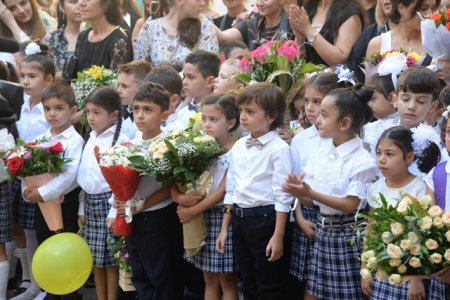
(121, 178)
(121, 256)
(391, 62)
(436, 34)
(37, 163)
(183, 158)
(410, 239)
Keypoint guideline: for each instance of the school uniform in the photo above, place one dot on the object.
(253, 187)
(156, 244)
(337, 171)
(185, 113)
(172, 124)
(129, 128)
(6, 142)
(97, 194)
(372, 131)
(438, 180)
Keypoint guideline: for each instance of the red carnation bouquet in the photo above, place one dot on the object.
(121, 178)
(436, 34)
(36, 163)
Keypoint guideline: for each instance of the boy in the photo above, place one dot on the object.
(169, 78)
(256, 205)
(156, 242)
(130, 77)
(200, 70)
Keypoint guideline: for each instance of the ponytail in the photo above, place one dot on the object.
(118, 129)
(429, 158)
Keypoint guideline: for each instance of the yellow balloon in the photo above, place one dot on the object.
(62, 263)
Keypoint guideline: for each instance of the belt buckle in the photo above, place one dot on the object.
(239, 211)
(328, 221)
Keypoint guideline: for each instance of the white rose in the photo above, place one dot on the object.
(415, 249)
(366, 255)
(397, 228)
(402, 269)
(382, 276)
(437, 222)
(426, 223)
(158, 155)
(425, 201)
(387, 237)
(405, 244)
(431, 244)
(372, 262)
(412, 236)
(446, 218)
(395, 262)
(395, 279)
(415, 262)
(394, 251)
(402, 208)
(435, 258)
(447, 235)
(405, 199)
(447, 255)
(435, 211)
(365, 273)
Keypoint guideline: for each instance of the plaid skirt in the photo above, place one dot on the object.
(302, 247)
(23, 212)
(335, 266)
(5, 212)
(383, 290)
(95, 232)
(209, 259)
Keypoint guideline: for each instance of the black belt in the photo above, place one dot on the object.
(253, 211)
(335, 221)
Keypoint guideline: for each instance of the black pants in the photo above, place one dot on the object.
(261, 279)
(156, 252)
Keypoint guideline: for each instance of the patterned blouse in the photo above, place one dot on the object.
(156, 46)
(58, 43)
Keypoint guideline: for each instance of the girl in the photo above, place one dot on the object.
(36, 71)
(396, 149)
(103, 110)
(335, 174)
(220, 116)
(383, 110)
(226, 82)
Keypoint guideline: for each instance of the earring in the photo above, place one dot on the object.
(63, 17)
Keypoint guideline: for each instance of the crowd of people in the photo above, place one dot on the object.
(282, 210)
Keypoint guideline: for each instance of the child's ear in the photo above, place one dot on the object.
(346, 123)
(115, 115)
(49, 78)
(73, 110)
(434, 105)
(164, 115)
(391, 97)
(174, 100)
(409, 158)
(231, 124)
(270, 119)
(394, 100)
(210, 81)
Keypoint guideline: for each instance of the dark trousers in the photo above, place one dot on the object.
(156, 252)
(261, 279)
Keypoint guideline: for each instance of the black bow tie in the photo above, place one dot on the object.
(193, 107)
(126, 113)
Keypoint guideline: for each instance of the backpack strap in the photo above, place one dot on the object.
(440, 184)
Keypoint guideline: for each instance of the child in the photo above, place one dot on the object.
(256, 206)
(35, 71)
(169, 78)
(129, 77)
(200, 70)
(220, 116)
(395, 150)
(335, 174)
(103, 110)
(233, 49)
(225, 82)
(58, 100)
(156, 242)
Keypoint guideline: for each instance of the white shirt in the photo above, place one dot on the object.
(90, 177)
(129, 128)
(340, 171)
(415, 188)
(255, 176)
(219, 170)
(304, 143)
(172, 124)
(64, 182)
(372, 131)
(430, 183)
(6, 143)
(184, 114)
(32, 122)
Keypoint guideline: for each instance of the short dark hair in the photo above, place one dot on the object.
(168, 77)
(154, 93)
(419, 80)
(226, 103)
(444, 96)
(61, 90)
(230, 46)
(208, 63)
(267, 96)
(138, 68)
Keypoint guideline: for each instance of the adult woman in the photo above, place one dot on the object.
(141, 21)
(28, 23)
(406, 35)
(171, 38)
(234, 8)
(104, 44)
(64, 39)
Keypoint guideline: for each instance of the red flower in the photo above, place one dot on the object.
(15, 165)
(56, 149)
(31, 144)
(448, 26)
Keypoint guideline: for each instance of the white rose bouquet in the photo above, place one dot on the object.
(410, 239)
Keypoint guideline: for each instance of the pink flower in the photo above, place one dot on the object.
(259, 54)
(245, 65)
(27, 154)
(289, 50)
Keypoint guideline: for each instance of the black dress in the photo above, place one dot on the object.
(112, 51)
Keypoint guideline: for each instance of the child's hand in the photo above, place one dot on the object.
(33, 195)
(188, 200)
(308, 228)
(296, 186)
(444, 275)
(185, 214)
(110, 222)
(366, 285)
(274, 249)
(80, 221)
(416, 290)
(221, 241)
(120, 206)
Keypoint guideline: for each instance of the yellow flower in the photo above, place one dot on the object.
(392, 53)
(413, 55)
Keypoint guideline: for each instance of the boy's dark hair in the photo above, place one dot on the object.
(419, 80)
(109, 99)
(267, 96)
(444, 96)
(353, 103)
(61, 90)
(168, 77)
(138, 68)
(382, 84)
(226, 103)
(154, 93)
(402, 137)
(230, 46)
(208, 63)
(43, 60)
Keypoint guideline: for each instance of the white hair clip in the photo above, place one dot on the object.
(445, 113)
(344, 74)
(423, 136)
(32, 48)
